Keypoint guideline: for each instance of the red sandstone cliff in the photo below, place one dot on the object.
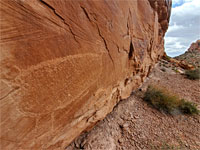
(194, 46)
(65, 64)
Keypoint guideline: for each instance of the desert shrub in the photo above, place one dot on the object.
(167, 58)
(193, 74)
(162, 99)
(188, 107)
(175, 70)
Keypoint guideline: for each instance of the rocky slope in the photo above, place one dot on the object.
(66, 64)
(192, 55)
(135, 125)
(195, 46)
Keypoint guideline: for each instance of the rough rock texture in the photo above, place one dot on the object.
(135, 125)
(192, 55)
(65, 64)
(195, 46)
(180, 63)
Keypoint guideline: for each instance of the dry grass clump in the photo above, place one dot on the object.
(193, 74)
(163, 100)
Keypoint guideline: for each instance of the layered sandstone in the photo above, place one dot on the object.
(66, 64)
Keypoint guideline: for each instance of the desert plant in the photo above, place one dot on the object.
(175, 70)
(162, 99)
(193, 74)
(167, 58)
(188, 107)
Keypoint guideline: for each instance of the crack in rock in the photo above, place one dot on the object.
(60, 17)
(105, 43)
(99, 32)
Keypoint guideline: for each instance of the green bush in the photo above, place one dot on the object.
(188, 107)
(161, 99)
(193, 74)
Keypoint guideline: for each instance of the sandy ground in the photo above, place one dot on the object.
(134, 125)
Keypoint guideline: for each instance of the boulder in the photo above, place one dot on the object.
(65, 64)
(178, 62)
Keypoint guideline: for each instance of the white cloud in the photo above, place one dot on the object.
(188, 1)
(174, 46)
(175, 27)
(184, 27)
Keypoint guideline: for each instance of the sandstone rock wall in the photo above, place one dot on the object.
(66, 64)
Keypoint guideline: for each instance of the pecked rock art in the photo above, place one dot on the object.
(66, 64)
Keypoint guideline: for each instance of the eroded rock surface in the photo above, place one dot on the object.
(195, 46)
(135, 125)
(65, 64)
(192, 55)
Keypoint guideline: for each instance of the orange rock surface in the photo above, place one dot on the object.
(65, 64)
(194, 46)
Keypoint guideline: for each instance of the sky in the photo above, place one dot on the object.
(184, 26)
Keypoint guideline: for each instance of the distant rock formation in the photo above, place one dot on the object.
(65, 64)
(192, 55)
(195, 46)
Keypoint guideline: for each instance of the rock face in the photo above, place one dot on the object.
(194, 46)
(192, 55)
(177, 62)
(66, 64)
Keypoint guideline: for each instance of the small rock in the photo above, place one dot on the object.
(143, 89)
(121, 140)
(125, 125)
(180, 71)
(136, 117)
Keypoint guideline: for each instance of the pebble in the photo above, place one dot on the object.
(125, 125)
(136, 117)
(121, 140)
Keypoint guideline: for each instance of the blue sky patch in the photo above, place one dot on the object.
(184, 26)
(176, 3)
